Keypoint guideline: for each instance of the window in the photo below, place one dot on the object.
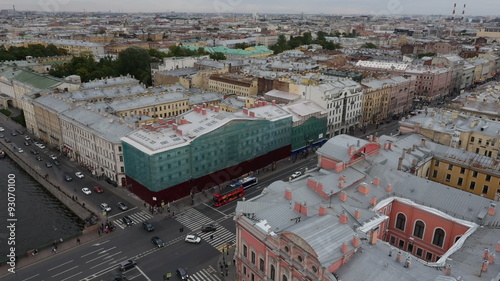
(252, 277)
(287, 249)
(460, 181)
(273, 272)
(474, 174)
(471, 139)
(436, 163)
(419, 229)
(434, 174)
(419, 252)
(244, 270)
(299, 258)
(253, 257)
(488, 178)
(400, 221)
(450, 167)
(314, 269)
(284, 278)
(401, 244)
(438, 239)
(472, 185)
(457, 238)
(245, 249)
(485, 189)
(448, 177)
(393, 240)
(428, 256)
(261, 264)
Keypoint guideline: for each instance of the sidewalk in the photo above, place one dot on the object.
(226, 265)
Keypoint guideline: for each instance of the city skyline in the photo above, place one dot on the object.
(365, 7)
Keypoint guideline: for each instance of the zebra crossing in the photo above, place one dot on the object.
(194, 220)
(137, 218)
(208, 274)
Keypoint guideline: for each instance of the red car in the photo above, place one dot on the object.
(98, 189)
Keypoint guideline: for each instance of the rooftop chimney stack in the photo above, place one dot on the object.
(491, 210)
(322, 210)
(486, 254)
(363, 189)
(357, 213)
(399, 256)
(345, 247)
(373, 201)
(355, 241)
(274, 103)
(351, 150)
(288, 193)
(388, 188)
(400, 164)
(343, 218)
(498, 247)
(484, 268)
(491, 259)
(343, 196)
(447, 270)
(423, 143)
(376, 181)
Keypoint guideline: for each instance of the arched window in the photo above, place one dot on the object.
(458, 237)
(273, 272)
(438, 237)
(284, 278)
(401, 221)
(419, 229)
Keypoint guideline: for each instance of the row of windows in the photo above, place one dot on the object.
(480, 141)
(460, 182)
(410, 248)
(462, 171)
(419, 229)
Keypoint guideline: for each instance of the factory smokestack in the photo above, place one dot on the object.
(453, 14)
(463, 13)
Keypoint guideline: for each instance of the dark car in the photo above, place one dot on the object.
(34, 151)
(7, 140)
(21, 132)
(117, 277)
(13, 133)
(148, 226)
(57, 163)
(2, 136)
(128, 264)
(67, 178)
(158, 242)
(182, 273)
(208, 228)
(26, 143)
(48, 165)
(127, 220)
(39, 158)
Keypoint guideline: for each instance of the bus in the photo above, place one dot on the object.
(245, 182)
(229, 195)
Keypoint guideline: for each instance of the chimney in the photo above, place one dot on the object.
(498, 247)
(355, 241)
(252, 114)
(204, 105)
(342, 178)
(376, 181)
(422, 144)
(274, 103)
(399, 257)
(288, 193)
(343, 218)
(303, 208)
(343, 196)
(491, 259)
(351, 150)
(386, 145)
(322, 210)
(341, 184)
(174, 126)
(414, 147)
(486, 254)
(388, 188)
(375, 139)
(403, 155)
(447, 270)
(414, 162)
(370, 138)
(373, 201)
(484, 268)
(357, 213)
(491, 210)
(216, 108)
(400, 164)
(363, 188)
(204, 111)
(245, 111)
(374, 236)
(345, 247)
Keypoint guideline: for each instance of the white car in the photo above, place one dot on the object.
(105, 207)
(193, 239)
(2, 129)
(53, 157)
(296, 175)
(20, 150)
(27, 138)
(86, 190)
(79, 175)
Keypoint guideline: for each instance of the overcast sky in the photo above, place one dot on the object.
(373, 7)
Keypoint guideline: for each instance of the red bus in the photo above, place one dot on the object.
(228, 196)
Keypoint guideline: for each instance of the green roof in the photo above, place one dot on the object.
(34, 79)
(257, 50)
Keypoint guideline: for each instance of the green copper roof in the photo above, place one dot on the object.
(257, 50)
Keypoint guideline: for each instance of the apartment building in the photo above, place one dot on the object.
(456, 64)
(375, 101)
(232, 84)
(76, 47)
(431, 83)
(47, 111)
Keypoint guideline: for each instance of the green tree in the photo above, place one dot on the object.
(137, 62)
(217, 56)
(306, 38)
(369, 45)
(242, 46)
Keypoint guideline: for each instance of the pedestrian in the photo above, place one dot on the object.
(173, 213)
(78, 240)
(222, 273)
(99, 232)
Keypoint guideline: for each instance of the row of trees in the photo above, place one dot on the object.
(306, 39)
(34, 50)
(134, 61)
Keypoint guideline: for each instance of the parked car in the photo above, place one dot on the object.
(13, 133)
(98, 189)
(27, 138)
(39, 158)
(86, 190)
(20, 150)
(105, 207)
(7, 140)
(2, 129)
(34, 151)
(67, 178)
(53, 157)
(296, 175)
(57, 163)
(127, 220)
(2, 136)
(122, 206)
(182, 273)
(79, 175)
(192, 239)
(126, 265)
(208, 228)
(148, 226)
(26, 143)
(48, 165)
(157, 241)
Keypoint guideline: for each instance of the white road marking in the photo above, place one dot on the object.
(91, 253)
(60, 265)
(64, 271)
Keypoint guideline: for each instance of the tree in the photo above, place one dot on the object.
(217, 56)
(369, 45)
(306, 38)
(137, 62)
(242, 46)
